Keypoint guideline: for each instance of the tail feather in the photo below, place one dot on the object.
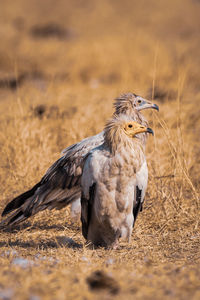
(32, 205)
(19, 200)
(51, 192)
(16, 218)
(19, 216)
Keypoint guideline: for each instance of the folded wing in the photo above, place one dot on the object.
(59, 186)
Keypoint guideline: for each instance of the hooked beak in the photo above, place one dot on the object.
(141, 129)
(155, 106)
(146, 104)
(149, 130)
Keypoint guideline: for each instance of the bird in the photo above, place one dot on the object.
(109, 183)
(60, 186)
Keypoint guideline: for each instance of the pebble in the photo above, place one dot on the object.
(22, 262)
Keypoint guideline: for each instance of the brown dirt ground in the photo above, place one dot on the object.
(70, 59)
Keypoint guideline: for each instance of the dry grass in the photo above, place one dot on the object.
(109, 47)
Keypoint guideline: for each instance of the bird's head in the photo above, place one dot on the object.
(131, 128)
(129, 102)
(122, 129)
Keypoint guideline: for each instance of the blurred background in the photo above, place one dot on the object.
(64, 62)
(61, 65)
(96, 44)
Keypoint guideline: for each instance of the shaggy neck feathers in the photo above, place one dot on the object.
(116, 139)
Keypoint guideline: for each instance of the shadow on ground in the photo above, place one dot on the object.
(59, 241)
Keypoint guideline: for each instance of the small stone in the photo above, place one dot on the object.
(34, 297)
(99, 280)
(83, 258)
(23, 263)
(110, 261)
(6, 294)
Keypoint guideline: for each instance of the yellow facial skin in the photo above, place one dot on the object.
(133, 128)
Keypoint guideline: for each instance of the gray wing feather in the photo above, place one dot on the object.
(59, 186)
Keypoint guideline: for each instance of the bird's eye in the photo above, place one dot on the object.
(139, 101)
(130, 125)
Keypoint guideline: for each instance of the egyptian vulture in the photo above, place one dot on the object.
(60, 185)
(109, 182)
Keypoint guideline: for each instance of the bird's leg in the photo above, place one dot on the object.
(129, 239)
(129, 234)
(75, 210)
(115, 245)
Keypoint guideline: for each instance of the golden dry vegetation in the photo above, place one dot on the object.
(61, 65)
